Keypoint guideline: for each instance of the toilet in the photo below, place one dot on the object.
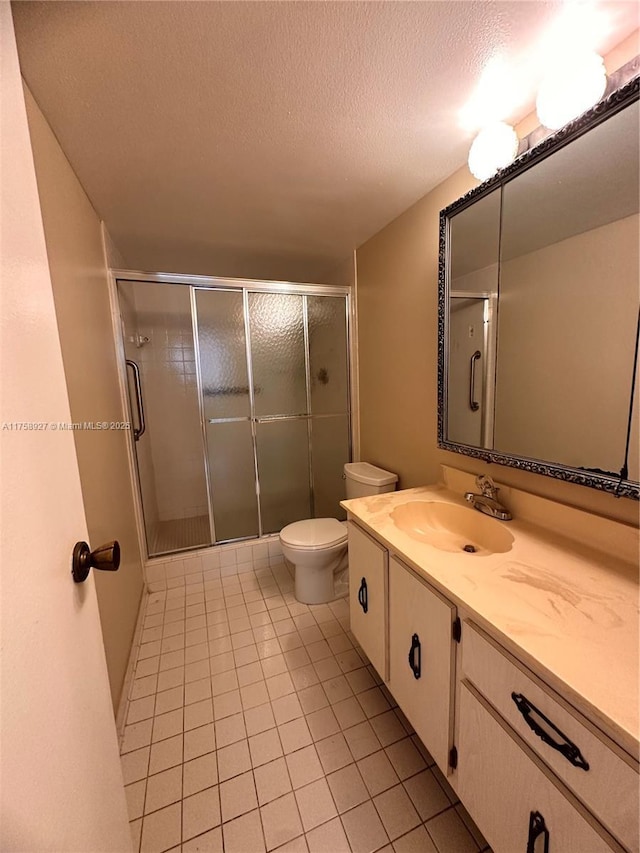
(317, 547)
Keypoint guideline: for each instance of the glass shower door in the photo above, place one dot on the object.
(161, 375)
(226, 412)
(329, 428)
(275, 407)
(246, 400)
(281, 407)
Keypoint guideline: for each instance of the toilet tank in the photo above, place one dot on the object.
(364, 479)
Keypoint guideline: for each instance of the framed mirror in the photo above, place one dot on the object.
(539, 303)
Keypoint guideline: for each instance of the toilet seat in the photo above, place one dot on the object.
(314, 534)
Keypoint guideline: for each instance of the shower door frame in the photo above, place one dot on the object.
(246, 286)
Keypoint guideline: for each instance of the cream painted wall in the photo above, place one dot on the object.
(347, 273)
(80, 288)
(398, 351)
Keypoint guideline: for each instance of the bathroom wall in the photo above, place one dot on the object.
(346, 274)
(397, 334)
(398, 348)
(80, 287)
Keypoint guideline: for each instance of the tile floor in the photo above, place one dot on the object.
(256, 723)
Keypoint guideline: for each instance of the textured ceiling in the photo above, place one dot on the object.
(262, 139)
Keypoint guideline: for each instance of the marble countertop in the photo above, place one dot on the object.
(566, 610)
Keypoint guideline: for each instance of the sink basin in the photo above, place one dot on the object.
(450, 527)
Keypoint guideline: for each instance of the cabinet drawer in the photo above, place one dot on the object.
(421, 658)
(501, 784)
(610, 785)
(368, 563)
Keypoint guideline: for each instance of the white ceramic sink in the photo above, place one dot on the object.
(450, 527)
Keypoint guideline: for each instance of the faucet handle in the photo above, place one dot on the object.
(487, 486)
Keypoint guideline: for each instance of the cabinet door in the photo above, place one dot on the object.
(502, 786)
(596, 772)
(368, 596)
(421, 658)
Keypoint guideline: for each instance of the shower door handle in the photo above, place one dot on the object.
(473, 404)
(137, 431)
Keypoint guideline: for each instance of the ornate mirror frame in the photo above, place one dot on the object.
(609, 106)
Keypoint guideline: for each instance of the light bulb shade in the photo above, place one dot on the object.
(570, 88)
(493, 148)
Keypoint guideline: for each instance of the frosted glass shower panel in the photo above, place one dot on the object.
(223, 354)
(328, 350)
(283, 469)
(330, 453)
(278, 353)
(233, 481)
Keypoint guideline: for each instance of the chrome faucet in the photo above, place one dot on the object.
(487, 501)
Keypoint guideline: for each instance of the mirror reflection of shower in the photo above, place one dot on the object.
(472, 345)
(244, 393)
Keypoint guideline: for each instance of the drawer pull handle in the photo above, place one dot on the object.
(415, 647)
(568, 749)
(537, 827)
(363, 595)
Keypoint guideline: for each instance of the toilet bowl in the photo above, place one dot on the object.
(317, 547)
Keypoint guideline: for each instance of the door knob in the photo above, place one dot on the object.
(106, 558)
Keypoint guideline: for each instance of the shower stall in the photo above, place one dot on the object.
(239, 404)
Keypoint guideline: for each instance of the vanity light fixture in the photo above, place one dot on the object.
(570, 87)
(574, 80)
(493, 148)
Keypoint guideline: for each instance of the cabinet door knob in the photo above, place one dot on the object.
(106, 558)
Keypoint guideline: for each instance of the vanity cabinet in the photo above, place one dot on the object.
(590, 765)
(368, 579)
(518, 807)
(534, 773)
(421, 657)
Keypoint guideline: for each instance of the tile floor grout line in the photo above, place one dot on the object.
(328, 622)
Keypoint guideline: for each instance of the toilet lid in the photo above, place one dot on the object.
(314, 533)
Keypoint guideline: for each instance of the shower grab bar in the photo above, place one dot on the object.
(473, 404)
(139, 431)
